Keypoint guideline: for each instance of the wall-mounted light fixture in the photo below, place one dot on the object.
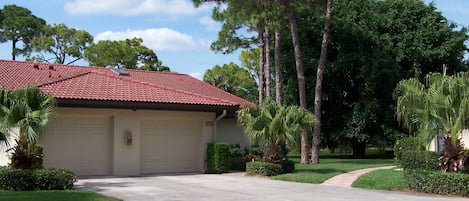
(128, 138)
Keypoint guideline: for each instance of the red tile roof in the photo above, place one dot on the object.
(97, 83)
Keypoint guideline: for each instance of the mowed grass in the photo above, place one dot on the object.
(331, 165)
(381, 180)
(67, 195)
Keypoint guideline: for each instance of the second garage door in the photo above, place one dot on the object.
(170, 146)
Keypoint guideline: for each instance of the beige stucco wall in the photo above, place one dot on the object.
(433, 146)
(4, 155)
(229, 131)
(126, 158)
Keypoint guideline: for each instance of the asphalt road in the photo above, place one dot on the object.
(208, 187)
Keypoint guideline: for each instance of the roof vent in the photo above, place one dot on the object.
(120, 71)
(36, 66)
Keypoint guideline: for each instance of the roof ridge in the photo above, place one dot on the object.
(167, 88)
(64, 79)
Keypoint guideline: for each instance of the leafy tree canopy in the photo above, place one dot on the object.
(374, 44)
(61, 42)
(234, 79)
(128, 53)
(18, 24)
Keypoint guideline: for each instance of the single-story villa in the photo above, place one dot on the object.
(126, 122)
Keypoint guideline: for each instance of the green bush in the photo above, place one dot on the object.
(427, 160)
(218, 157)
(407, 144)
(235, 150)
(288, 166)
(238, 163)
(40, 179)
(263, 168)
(437, 182)
(258, 151)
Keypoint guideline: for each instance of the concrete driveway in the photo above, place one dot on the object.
(208, 187)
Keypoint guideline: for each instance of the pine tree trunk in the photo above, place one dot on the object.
(261, 66)
(318, 90)
(278, 68)
(267, 74)
(299, 74)
(13, 50)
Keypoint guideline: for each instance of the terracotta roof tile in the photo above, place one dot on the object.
(95, 83)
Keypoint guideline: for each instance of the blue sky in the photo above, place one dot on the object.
(179, 33)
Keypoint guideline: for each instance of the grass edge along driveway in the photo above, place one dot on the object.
(65, 195)
(329, 167)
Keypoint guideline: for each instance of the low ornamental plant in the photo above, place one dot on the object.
(437, 182)
(263, 168)
(39, 179)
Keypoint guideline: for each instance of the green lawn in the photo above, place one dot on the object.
(331, 165)
(68, 195)
(381, 180)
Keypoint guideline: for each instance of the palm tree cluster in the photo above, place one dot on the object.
(274, 126)
(26, 110)
(441, 104)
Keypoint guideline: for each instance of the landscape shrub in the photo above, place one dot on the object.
(427, 160)
(218, 157)
(407, 144)
(263, 168)
(235, 150)
(288, 166)
(257, 151)
(437, 182)
(238, 163)
(39, 179)
(54, 179)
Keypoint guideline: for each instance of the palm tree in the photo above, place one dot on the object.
(27, 110)
(272, 125)
(441, 104)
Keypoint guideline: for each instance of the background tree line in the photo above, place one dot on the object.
(373, 45)
(35, 40)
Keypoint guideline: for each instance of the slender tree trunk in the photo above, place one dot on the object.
(13, 50)
(317, 93)
(278, 68)
(299, 74)
(267, 74)
(261, 66)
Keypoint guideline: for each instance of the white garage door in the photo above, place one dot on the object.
(170, 146)
(80, 144)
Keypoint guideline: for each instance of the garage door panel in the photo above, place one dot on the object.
(170, 146)
(80, 144)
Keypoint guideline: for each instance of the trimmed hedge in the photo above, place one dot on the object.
(427, 160)
(40, 179)
(263, 168)
(405, 145)
(437, 182)
(218, 157)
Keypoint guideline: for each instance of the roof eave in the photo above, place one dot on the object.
(85, 103)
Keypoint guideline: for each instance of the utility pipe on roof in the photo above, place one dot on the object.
(222, 115)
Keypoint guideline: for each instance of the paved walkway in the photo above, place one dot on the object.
(346, 179)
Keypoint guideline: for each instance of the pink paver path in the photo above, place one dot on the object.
(346, 179)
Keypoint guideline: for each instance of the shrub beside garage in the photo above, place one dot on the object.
(39, 179)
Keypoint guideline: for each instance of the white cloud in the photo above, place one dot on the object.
(209, 23)
(161, 39)
(197, 75)
(133, 7)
